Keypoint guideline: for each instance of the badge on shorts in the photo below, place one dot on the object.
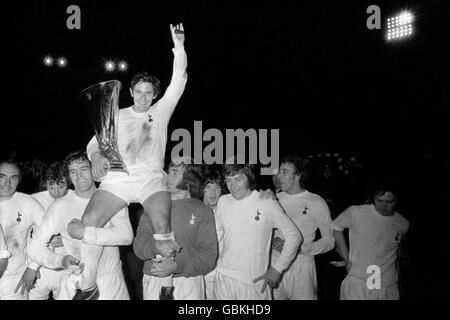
(18, 217)
(257, 215)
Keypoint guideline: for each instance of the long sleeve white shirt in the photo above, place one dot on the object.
(17, 215)
(309, 212)
(246, 228)
(4, 253)
(116, 232)
(142, 143)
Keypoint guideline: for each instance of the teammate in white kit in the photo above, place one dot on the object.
(55, 182)
(309, 212)
(64, 217)
(18, 213)
(142, 136)
(244, 222)
(375, 233)
(211, 195)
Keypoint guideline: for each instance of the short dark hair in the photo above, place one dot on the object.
(301, 167)
(382, 187)
(55, 174)
(213, 176)
(77, 156)
(14, 163)
(145, 77)
(232, 169)
(192, 181)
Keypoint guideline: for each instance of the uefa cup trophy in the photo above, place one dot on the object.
(102, 104)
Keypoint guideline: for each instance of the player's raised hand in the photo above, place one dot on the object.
(177, 32)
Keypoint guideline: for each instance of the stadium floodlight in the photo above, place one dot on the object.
(399, 27)
(48, 61)
(123, 66)
(109, 66)
(62, 62)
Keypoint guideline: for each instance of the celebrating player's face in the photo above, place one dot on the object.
(174, 177)
(385, 203)
(9, 179)
(143, 95)
(238, 186)
(211, 194)
(287, 178)
(57, 190)
(80, 174)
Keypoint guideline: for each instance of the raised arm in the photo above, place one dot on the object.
(179, 75)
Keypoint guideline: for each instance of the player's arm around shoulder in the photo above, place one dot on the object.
(117, 232)
(172, 95)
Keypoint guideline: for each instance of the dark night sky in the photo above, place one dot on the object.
(312, 70)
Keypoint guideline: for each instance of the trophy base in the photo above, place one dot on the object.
(118, 167)
(166, 293)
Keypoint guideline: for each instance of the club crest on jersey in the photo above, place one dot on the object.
(257, 215)
(397, 237)
(18, 217)
(192, 221)
(305, 211)
(150, 119)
